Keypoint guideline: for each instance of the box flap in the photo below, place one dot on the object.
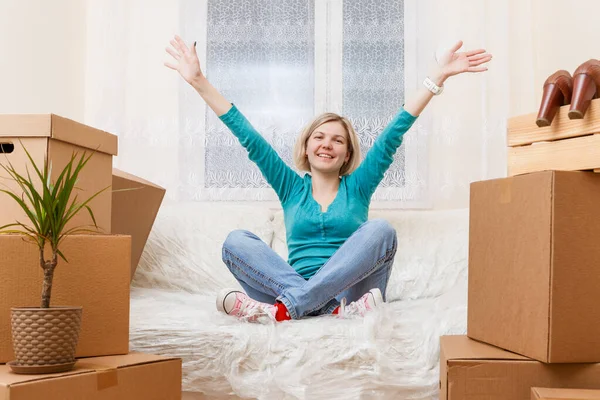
(133, 179)
(134, 211)
(59, 128)
(82, 135)
(83, 366)
(460, 347)
(564, 394)
(30, 125)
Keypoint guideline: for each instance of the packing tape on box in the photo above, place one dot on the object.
(105, 376)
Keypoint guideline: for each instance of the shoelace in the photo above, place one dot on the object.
(358, 307)
(252, 310)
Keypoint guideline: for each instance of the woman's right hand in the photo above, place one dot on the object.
(187, 63)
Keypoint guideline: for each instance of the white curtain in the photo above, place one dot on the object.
(281, 63)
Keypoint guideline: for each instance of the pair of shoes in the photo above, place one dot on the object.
(369, 301)
(562, 89)
(240, 305)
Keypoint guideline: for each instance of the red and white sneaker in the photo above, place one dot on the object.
(360, 307)
(240, 305)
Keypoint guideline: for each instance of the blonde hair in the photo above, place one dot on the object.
(353, 162)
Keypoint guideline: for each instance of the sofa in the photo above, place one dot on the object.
(393, 352)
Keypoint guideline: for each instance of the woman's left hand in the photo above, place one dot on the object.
(452, 62)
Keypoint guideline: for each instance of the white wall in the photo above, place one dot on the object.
(561, 35)
(543, 36)
(45, 49)
(466, 124)
(128, 90)
(42, 63)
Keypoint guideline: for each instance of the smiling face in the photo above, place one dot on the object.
(328, 144)
(327, 148)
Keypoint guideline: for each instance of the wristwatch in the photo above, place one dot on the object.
(432, 87)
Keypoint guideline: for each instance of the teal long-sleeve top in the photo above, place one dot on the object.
(313, 235)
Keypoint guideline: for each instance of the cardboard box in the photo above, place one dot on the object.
(96, 277)
(135, 203)
(471, 370)
(135, 376)
(48, 136)
(564, 394)
(568, 145)
(534, 265)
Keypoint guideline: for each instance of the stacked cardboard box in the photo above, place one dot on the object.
(472, 370)
(135, 376)
(97, 275)
(564, 394)
(534, 270)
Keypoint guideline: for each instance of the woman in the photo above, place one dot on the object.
(335, 255)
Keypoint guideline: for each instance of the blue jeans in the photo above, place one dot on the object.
(362, 263)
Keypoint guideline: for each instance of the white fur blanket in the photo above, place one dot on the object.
(391, 353)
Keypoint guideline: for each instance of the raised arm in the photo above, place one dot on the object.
(452, 62)
(277, 173)
(379, 158)
(188, 66)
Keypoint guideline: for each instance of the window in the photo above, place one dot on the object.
(283, 62)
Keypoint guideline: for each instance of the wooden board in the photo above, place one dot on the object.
(522, 130)
(580, 153)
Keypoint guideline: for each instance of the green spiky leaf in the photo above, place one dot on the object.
(49, 205)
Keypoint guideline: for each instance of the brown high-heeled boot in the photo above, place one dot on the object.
(557, 92)
(586, 86)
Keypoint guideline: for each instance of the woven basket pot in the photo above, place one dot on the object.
(43, 337)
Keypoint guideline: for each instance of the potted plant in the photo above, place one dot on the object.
(45, 338)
